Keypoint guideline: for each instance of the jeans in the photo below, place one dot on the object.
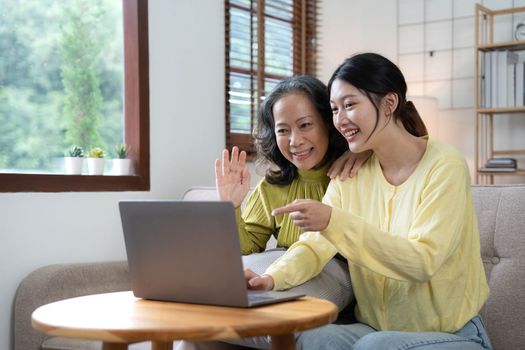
(359, 336)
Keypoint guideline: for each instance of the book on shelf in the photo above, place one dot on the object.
(493, 79)
(486, 90)
(520, 73)
(502, 79)
(506, 61)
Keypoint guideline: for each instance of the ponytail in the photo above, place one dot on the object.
(412, 120)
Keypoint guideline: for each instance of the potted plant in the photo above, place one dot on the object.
(96, 161)
(121, 162)
(74, 160)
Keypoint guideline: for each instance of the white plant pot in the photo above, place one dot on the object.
(121, 166)
(74, 165)
(96, 166)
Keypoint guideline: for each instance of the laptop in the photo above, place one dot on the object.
(188, 251)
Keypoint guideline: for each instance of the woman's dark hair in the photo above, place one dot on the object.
(376, 76)
(264, 132)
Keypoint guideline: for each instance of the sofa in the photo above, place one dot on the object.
(501, 216)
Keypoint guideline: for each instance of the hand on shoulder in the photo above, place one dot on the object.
(348, 165)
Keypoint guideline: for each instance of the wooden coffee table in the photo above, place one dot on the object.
(118, 319)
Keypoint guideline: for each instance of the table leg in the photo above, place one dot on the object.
(161, 345)
(283, 342)
(114, 346)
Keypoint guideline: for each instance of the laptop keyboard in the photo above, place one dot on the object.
(260, 297)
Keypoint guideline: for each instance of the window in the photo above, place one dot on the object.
(266, 41)
(134, 130)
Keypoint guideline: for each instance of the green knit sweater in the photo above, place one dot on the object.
(256, 223)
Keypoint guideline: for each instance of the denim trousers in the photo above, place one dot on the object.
(359, 336)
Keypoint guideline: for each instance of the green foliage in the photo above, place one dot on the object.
(33, 124)
(80, 50)
(31, 132)
(96, 152)
(75, 151)
(121, 151)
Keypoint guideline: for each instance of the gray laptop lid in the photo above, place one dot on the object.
(186, 251)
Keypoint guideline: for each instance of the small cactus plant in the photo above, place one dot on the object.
(121, 151)
(96, 152)
(75, 151)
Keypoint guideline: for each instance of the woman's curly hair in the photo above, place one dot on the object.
(264, 133)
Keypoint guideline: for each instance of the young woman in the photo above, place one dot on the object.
(296, 137)
(405, 222)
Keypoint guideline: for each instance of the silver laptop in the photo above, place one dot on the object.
(188, 252)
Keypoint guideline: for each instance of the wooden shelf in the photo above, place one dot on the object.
(519, 172)
(504, 45)
(508, 152)
(490, 12)
(501, 110)
(484, 116)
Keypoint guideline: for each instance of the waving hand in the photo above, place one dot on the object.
(232, 177)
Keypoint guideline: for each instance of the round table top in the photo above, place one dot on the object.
(122, 318)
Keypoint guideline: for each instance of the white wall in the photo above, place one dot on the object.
(187, 123)
(350, 27)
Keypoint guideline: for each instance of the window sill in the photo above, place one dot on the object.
(72, 183)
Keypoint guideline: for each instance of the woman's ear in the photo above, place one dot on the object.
(390, 101)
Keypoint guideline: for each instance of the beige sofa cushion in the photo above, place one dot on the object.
(501, 217)
(57, 282)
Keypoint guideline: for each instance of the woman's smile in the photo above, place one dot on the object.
(302, 155)
(349, 134)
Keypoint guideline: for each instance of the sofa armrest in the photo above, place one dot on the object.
(57, 282)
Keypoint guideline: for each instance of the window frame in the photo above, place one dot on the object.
(304, 30)
(136, 120)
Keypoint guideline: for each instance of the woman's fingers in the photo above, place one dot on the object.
(261, 283)
(347, 169)
(289, 208)
(242, 160)
(235, 159)
(337, 165)
(235, 164)
(296, 215)
(249, 274)
(357, 165)
(225, 162)
(253, 280)
(307, 214)
(218, 168)
(359, 161)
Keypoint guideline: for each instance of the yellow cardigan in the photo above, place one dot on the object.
(413, 249)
